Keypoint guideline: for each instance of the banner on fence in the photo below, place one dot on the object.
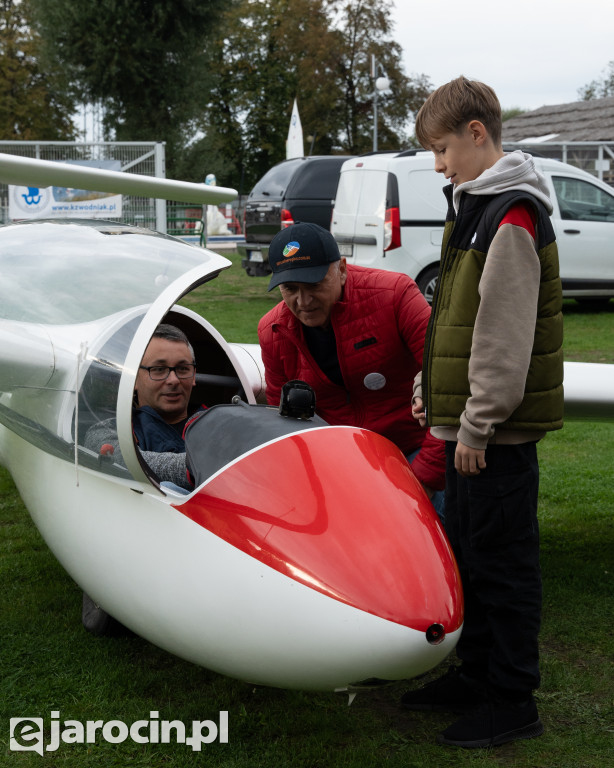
(66, 202)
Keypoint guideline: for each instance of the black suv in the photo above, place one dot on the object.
(300, 189)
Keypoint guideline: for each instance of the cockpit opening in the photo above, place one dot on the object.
(216, 382)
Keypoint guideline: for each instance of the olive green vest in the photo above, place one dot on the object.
(445, 379)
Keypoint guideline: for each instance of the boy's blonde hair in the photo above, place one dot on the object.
(453, 105)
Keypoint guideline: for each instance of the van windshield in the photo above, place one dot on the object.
(274, 182)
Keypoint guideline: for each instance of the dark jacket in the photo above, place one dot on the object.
(154, 434)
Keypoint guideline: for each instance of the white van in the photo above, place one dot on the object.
(390, 210)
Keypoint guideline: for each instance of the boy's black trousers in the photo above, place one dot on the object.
(491, 522)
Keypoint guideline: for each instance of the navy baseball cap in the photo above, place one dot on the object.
(301, 253)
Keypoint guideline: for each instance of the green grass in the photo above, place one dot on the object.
(48, 662)
(589, 332)
(234, 302)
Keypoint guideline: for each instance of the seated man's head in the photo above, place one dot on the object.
(309, 271)
(167, 374)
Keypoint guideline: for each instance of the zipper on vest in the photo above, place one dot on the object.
(445, 266)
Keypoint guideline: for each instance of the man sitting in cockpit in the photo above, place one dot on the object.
(164, 383)
(166, 377)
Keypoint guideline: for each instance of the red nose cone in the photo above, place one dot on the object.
(339, 510)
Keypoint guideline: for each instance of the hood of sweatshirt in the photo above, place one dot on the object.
(514, 171)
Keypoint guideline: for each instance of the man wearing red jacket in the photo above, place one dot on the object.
(356, 335)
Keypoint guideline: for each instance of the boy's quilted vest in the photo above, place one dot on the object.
(445, 383)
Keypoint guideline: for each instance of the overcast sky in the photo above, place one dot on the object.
(532, 52)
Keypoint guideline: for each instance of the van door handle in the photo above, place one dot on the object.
(571, 231)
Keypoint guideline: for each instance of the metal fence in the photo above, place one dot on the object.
(595, 157)
(144, 158)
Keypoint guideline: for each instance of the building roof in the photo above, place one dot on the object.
(579, 121)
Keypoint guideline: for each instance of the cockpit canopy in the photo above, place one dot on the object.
(79, 301)
(64, 272)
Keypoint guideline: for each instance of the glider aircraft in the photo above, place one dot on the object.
(307, 555)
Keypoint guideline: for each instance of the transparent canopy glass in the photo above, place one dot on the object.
(56, 272)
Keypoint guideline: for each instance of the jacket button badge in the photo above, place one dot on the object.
(374, 381)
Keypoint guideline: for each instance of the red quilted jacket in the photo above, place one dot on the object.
(379, 327)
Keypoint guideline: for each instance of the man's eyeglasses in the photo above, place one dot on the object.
(162, 372)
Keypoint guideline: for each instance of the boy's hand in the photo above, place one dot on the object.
(468, 461)
(417, 411)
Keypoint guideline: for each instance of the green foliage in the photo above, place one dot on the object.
(318, 51)
(34, 103)
(215, 79)
(365, 27)
(143, 60)
(507, 114)
(600, 88)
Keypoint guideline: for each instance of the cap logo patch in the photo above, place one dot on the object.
(290, 249)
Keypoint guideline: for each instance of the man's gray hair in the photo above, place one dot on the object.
(172, 333)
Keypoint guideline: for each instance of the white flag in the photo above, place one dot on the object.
(294, 142)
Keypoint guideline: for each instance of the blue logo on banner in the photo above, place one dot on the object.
(32, 196)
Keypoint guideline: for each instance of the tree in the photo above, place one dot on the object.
(600, 88)
(318, 51)
(270, 52)
(144, 60)
(365, 28)
(508, 114)
(33, 102)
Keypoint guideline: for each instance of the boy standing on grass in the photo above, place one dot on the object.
(491, 386)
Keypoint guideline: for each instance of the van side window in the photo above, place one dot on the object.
(582, 200)
(316, 180)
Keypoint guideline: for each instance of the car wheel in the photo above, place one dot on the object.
(427, 281)
(258, 270)
(97, 621)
